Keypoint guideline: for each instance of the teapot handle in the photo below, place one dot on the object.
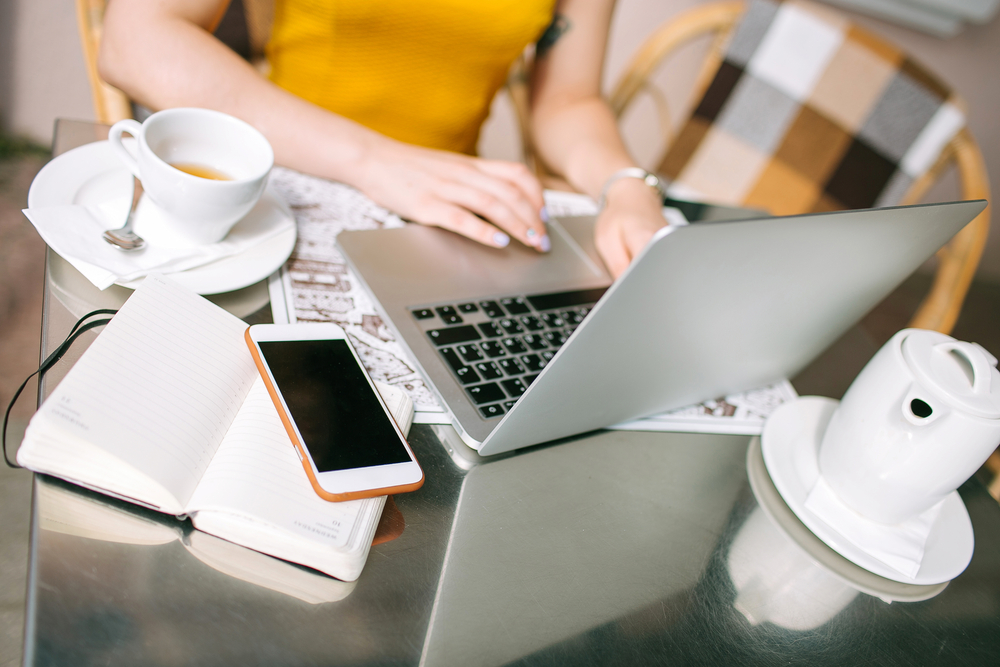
(973, 354)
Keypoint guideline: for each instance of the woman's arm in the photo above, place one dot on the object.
(576, 134)
(162, 54)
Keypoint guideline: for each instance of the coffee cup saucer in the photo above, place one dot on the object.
(93, 174)
(790, 448)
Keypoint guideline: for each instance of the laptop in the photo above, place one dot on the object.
(524, 348)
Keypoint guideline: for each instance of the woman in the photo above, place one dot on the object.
(328, 111)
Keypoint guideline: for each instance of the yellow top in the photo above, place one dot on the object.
(421, 71)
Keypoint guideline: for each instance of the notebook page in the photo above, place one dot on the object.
(256, 473)
(159, 388)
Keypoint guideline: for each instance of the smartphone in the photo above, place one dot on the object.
(345, 436)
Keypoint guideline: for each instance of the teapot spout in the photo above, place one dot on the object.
(920, 409)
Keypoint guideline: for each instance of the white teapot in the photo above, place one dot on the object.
(917, 422)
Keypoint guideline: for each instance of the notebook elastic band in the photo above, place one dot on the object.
(81, 326)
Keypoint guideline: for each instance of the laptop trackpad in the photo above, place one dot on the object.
(417, 264)
(578, 234)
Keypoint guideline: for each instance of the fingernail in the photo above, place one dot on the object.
(545, 244)
(544, 214)
(501, 240)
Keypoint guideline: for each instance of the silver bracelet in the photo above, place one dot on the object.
(649, 178)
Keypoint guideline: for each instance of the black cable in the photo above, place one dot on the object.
(78, 329)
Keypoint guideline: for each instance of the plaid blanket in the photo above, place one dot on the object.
(810, 113)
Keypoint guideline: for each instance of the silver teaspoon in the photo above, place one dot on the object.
(123, 237)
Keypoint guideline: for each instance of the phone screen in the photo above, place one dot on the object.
(338, 416)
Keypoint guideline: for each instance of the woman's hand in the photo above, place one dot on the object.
(631, 216)
(488, 201)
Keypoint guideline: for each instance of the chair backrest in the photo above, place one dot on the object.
(110, 104)
(799, 111)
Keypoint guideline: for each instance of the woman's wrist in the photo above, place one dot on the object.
(365, 167)
(631, 195)
(634, 180)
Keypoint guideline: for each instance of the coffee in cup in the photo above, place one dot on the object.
(918, 421)
(203, 170)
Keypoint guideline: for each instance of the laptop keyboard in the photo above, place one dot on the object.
(496, 348)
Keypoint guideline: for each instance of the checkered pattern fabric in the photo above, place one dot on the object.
(810, 113)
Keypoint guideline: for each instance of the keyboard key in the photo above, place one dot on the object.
(449, 315)
(574, 316)
(507, 405)
(515, 305)
(534, 341)
(555, 338)
(423, 314)
(452, 358)
(470, 352)
(489, 411)
(514, 387)
(547, 355)
(462, 334)
(511, 366)
(491, 308)
(528, 379)
(468, 308)
(466, 375)
(490, 329)
(566, 299)
(554, 320)
(533, 362)
(514, 346)
(488, 370)
(531, 323)
(445, 311)
(511, 326)
(486, 393)
(492, 349)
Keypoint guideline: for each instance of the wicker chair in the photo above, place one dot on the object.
(957, 261)
(110, 104)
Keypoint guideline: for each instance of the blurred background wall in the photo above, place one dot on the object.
(42, 78)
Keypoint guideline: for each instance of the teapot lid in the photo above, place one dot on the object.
(963, 375)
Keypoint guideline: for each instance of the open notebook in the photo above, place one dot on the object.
(167, 410)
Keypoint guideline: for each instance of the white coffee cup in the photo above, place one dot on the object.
(918, 421)
(198, 209)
